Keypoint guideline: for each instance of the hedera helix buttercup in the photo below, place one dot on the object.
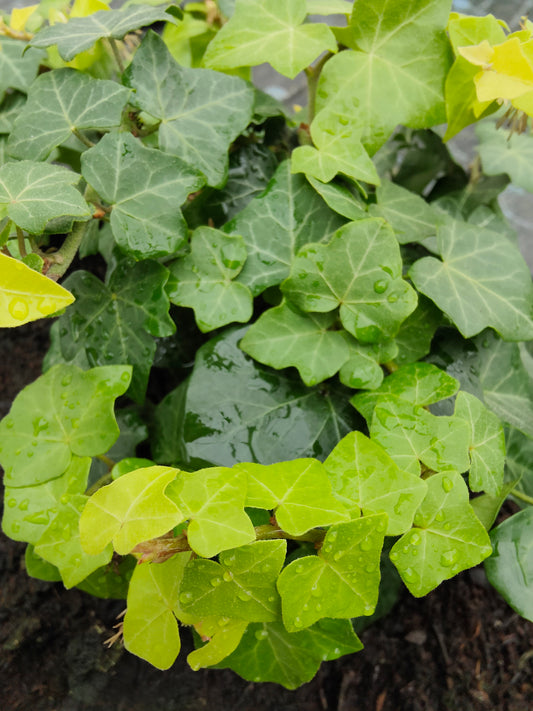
(319, 319)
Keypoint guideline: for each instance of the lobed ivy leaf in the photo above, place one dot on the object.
(446, 537)
(416, 332)
(341, 581)
(487, 507)
(223, 424)
(268, 652)
(337, 149)
(487, 444)
(362, 369)
(482, 281)
(243, 584)
(503, 152)
(9, 110)
(145, 188)
(116, 322)
(17, 68)
(80, 33)
(287, 215)
(360, 270)
(59, 103)
(340, 198)
(363, 476)
(60, 544)
(150, 626)
(510, 567)
(133, 509)
(27, 295)
(222, 642)
(213, 500)
(65, 412)
(201, 111)
(518, 458)
(33, 194)
(38, 568)
(269, 31)
(205, 280)
(298, 491)
(393, 71)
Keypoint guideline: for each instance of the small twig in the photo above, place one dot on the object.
(81, 137)
(523, 497)
(64, 256)
(116, 54)
(20, 240)
(102, 481)
(313, 75)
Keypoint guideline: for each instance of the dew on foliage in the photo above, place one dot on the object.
(449, 558)
(228, 576)
(215, 582)
(18, 309)
(15, 527)
(23, 506)
(410, 575)
(447, 484)
(298, 622)
(381, 286)
(416, 539)
(12, 503)
(66, 380)
(261, 634)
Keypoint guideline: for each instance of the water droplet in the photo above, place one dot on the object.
(12, 503)
(392, 298)
(366, 544)
(18, 309)
(439, 516)
(318, 607)
(261, 634)
(447, 484)
(338, 555)
(65, 532)
(39, 425)
(9, 424)
(185, 597)
(66, 380)
(299, 569)
(298, 622)
(23, 506)
(393, 555)
(228, 576)
(449, 558)
(416, 539)
(244, 596)
(328, 549)
(332, 536)
(370, 568)
(29, 454)
(223, 621)
(409, 575)
(215, 582)
(381, 286)
(15, 527)
(315, 591)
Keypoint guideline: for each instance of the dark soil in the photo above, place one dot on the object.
(460, 648)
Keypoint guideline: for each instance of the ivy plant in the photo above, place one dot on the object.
(290, 354)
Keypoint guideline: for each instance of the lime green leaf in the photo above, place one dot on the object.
(60, 102)
(80, 33)
(329, 7)
(32, 194)
(487, 507)
(243, 584)
(504, 153)
(17, 68)
(205, 280)
(364, 476)
(283, 420)
(340, 198)
(394, 72)
(150, 627)
(419, 383)
(417, 331)
(26, 295)
(60, 544)
(360, 270)
(510, 567)
(481, 281)
(269, 31)
(116, 322)
(220, 645)
(269, 653)
(338, 150)
(446, 538)
(341, 581)
(64, 412)
(145, 188)
(38, 568)
(133, 509)
(409, 215)
(299, 491)
(213, 502)
(28, 510)
(201, 111)
(487, 444)
(284, 337)
(276, 224)
(412, 435)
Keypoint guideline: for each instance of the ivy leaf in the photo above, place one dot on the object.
(284, 337)
(28, 510)
(243, 583)
(341, 581)
(60, 102)
(205, 280)
(10, 109)
(80, 33)
(510, 568)
(363, 370)
(268, 652)
(116, 322)
(379, 79)
(213, 502)
(60, 544)
(150, 626)
(26, 295)
(340, 198)
(64, 412)
(446, 538)
(17, 68)
(145, 188)
(364, 476)
(201, 111)
(284, 419)
(518, 459)
(269, 31)
(410, 435)
(32, 194)
(276, 224)
(501, 152)
(487, 444)
(131, 510)
(299, 491)
(222, 642)
(360, 270)
(481, 281)
(338, 150)
(417, 331)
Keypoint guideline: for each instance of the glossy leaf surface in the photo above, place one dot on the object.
(222, 642)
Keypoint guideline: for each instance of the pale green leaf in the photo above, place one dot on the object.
(363, 369)
(340, 198)
(17, 68)
(416, 332)
(502, 152)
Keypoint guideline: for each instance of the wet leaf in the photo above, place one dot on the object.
(221, 644)
(340, 198)
(416, 332)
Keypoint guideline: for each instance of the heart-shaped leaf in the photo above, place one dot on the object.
(17, 68)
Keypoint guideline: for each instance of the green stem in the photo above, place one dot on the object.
(116, 55)
(102, 481)
(269, 532)
(313, 75)
(523, 497)
(22, 246)
(64, 256)
(83, 138)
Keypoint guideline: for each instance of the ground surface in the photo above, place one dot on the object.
(461, 648)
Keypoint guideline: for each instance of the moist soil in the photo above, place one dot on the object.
(460, 648)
